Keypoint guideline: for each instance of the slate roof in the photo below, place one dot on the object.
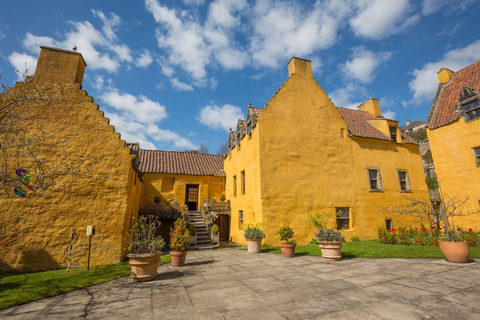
(180, 163)
(412, 125)
(444, 105)
(359, 127)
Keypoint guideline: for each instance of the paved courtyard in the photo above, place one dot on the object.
(231, 284)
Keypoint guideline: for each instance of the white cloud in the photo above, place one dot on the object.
(425, 81)
(364, 63)
(389, 114)
(284, 29)
(170, 137)
(193, 45)
(3, 35)
(144, 60)
(224, 117)
(193, 2)
(100, 49)
(432, 6)
(140, 108)
(348, 96)
(377, 19)
(23, 62)
(180, 85)
(130, 130)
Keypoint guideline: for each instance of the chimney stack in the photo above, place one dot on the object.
(61, 66)
(444, 75)
(301, 67)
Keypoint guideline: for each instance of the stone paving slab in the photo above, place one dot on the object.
(232, 284)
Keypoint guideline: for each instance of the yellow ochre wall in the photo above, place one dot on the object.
(455, 167)
(244, 158)
(209, 187)
(305, 165)
(35, 233)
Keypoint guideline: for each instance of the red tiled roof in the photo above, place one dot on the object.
(358, 126)
(444, 106)
(180, 163)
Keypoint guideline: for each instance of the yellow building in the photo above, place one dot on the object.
(184, 177)
(301, 155)
(454, 135)
(35, 232)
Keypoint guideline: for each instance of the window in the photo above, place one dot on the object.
(374, 179)
(168, 184)
(404, 181)
(342, 133)
(243, 181)
(240, 219)
(343, 218)
(393, 133)
(472, 110)
(388, 224)
(249, 129)
(234, 186)
(476, 154)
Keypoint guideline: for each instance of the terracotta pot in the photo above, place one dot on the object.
(331, 250)
(144, 266)
(458, 252)
(254, 245)
(288, 249)
(178, 258)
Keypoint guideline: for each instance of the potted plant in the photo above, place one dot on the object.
(254, 235)
(145, 248)
(222, 197)
(157, 200)
(288, 247)
(454, 247)
(176, 205)
(179, 241)
(215, 234)
(193, 234)
(330, 242)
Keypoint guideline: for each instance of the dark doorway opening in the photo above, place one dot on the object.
(224, 225)
(191, 197)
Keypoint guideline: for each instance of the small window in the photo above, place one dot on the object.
(388, 224)
(374, 179)
(343, 218)
(234, 186)
(342, 133)
(404, 181)
(240, 219)
(472, 110)
(168, 185)
(393, 133)
(243, 181)
(476, 154)
(249, 129)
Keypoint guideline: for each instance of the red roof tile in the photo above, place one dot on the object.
(444, 105)
(358, 126)
(180, 163)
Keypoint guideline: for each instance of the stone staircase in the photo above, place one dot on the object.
(203, 238)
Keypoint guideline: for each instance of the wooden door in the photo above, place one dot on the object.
(191, 197)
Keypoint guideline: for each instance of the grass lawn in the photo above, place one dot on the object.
(18, 288)
(374, 249)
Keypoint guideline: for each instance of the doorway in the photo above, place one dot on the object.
(191, 197)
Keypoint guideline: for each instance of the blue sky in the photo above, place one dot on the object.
(173, 75)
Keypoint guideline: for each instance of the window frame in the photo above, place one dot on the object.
(379, 179)
(461, 108)
(242, 174)
(342, 218)
(408, 185)
(234, 185)
(240, 219)
(393, 133)
(475, 157)
(387, 223)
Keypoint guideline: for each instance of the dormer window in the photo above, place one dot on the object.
(393, 133)
(472, 110)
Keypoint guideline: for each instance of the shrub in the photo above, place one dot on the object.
(403, 236)
(215, 229)
(329, 235)
(142, 236)
(179, 236)
(286, 233)
(355, 239)
(157, 200)
(223, 198)
(387, 237)
(193, 229)
(253, 231)
(471, 238)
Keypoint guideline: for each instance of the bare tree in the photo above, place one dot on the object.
(222, 150)
(203, 149)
